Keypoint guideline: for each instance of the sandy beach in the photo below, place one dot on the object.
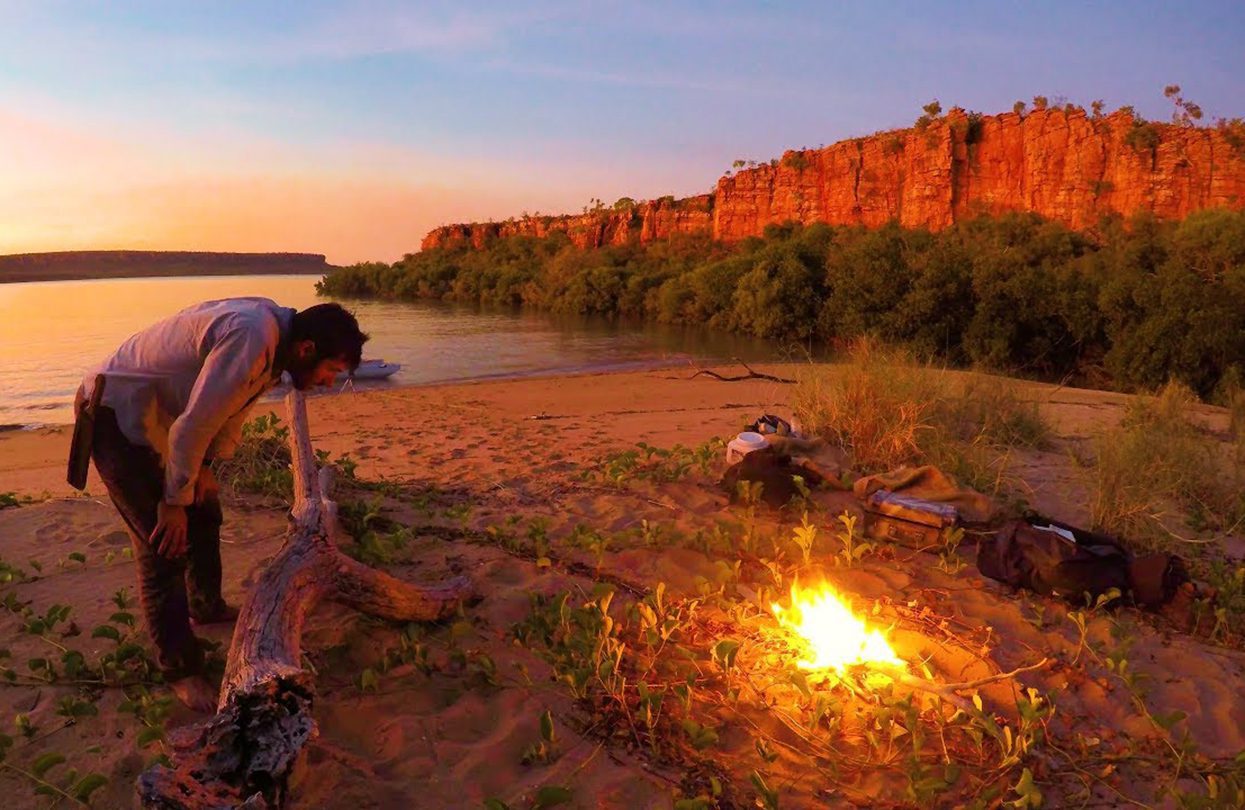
(473, 459)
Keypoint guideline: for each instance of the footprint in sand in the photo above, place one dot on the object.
(54, 531)
(113, 538)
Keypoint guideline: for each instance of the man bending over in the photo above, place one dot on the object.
(174, 399)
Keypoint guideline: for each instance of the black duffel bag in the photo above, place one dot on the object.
(1061, 560)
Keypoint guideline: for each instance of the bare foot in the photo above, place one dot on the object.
(196, 693)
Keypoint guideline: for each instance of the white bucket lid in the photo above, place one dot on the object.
(752, 440)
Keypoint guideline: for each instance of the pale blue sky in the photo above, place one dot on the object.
(361, 125)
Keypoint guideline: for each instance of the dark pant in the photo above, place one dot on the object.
(171, 590)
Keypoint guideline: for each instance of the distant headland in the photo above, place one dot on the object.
(89, 264)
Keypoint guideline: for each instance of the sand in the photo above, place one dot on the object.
(476, 456)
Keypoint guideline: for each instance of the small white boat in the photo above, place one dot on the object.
(371, 370)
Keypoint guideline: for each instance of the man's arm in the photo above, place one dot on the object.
(221, 390)
(226, 440)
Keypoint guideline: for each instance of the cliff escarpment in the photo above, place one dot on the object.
(85, 264)
(1063, 164)
(645, 221)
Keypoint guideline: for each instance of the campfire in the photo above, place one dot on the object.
(831, 636)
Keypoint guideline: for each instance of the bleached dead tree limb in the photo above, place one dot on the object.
(244, 756)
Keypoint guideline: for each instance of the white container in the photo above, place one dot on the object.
(743, 444)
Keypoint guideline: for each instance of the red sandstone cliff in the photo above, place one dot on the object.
(644, 221)
(1061, 164)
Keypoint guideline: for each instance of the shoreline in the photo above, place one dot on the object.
(624, 367)
(32, 461)
(368, 386)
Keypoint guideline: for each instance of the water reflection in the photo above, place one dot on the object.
(50, 332)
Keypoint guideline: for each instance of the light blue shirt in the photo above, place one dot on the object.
(184, 386)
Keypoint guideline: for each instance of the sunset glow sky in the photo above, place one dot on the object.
(351, 129)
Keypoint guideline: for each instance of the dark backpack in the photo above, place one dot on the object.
(1050, 563)
(775, 471)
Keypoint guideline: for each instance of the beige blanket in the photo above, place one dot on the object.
(931, 484)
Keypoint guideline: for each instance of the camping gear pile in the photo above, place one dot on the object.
(916, 507)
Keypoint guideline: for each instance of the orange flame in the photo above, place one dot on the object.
(833, 636)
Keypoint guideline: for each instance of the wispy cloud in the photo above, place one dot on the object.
(276, 34)
(669, 81)
(357, 30)
(369, 30)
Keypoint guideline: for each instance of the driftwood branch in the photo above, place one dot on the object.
(244, 756)
(751, 375)
(947, 691)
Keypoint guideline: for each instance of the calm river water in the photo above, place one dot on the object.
(50, 332)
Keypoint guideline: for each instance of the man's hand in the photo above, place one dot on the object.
(170, 531)
(206, 487)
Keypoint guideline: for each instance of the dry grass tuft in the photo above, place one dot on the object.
(1236, 413)
(887, 409)
(874, 406)
(1234, 400)
(1157, 466)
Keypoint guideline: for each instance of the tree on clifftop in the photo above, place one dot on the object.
(931, 112)
(1186, 112)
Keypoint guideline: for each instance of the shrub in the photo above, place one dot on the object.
(1234, 400)
(261, 462)
(1155, 465)
(989, 406)
(795, 160)
(867, 277)
(871, 407)
(1142, 136)
(886, 409)
(976, 126)
(1233, 132)
(1101, 187)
